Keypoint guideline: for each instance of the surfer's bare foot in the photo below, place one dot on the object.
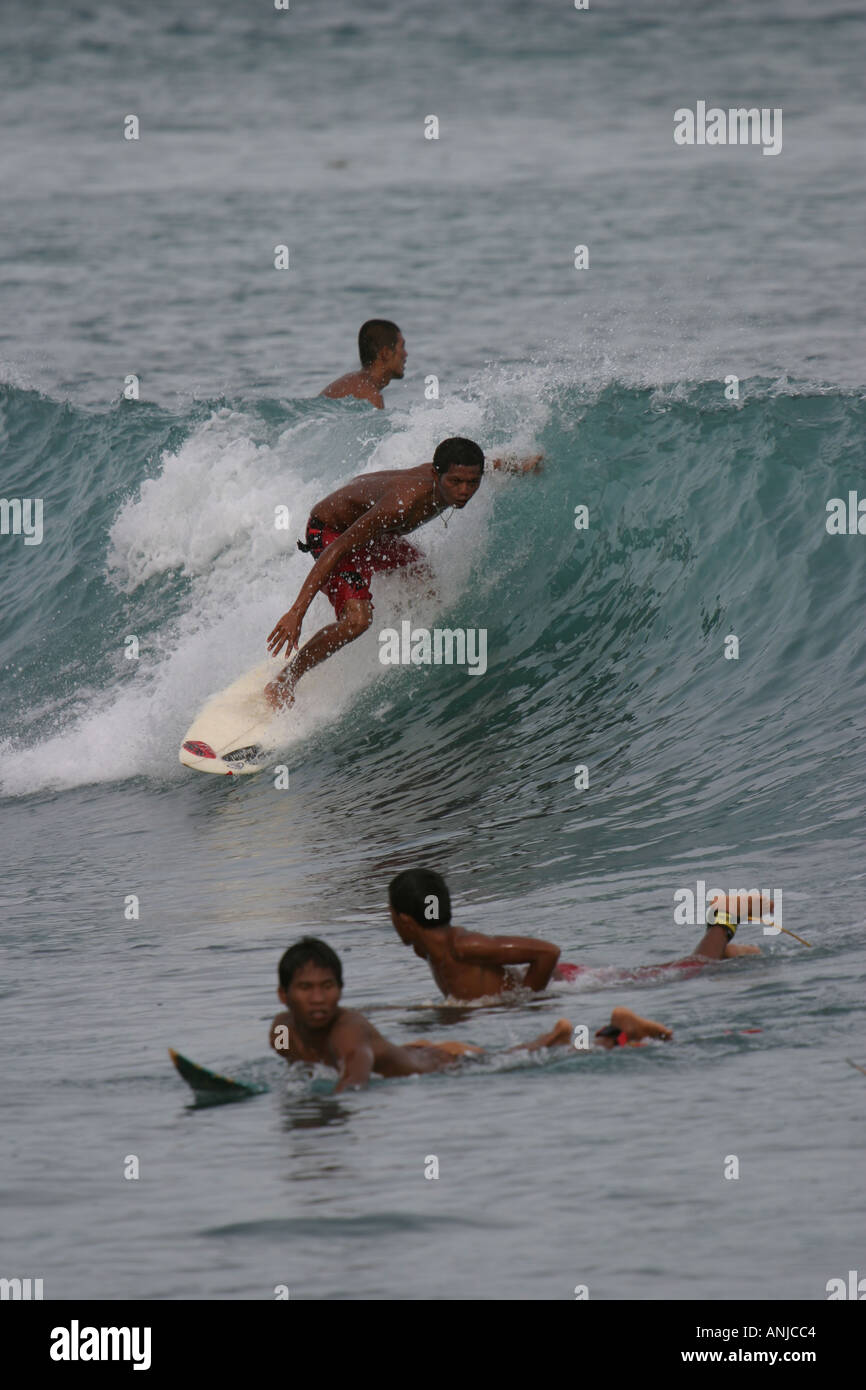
(560, 1035)
(637, 1028)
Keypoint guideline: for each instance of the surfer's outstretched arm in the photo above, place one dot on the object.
(356, 1066)
(352, 1046)
(443, 1054)
(474, 948)
(509, 464)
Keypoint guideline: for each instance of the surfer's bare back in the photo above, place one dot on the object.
(355, 533)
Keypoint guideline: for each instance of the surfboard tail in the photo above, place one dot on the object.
(210, 1083)
(237, 762)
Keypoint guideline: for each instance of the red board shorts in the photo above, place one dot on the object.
(351, 579)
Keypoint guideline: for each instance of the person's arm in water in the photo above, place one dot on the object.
(473, 948)
(360, 1049)
(389, 510)
(353, 1051)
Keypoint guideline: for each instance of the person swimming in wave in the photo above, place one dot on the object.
(382, 349)
(472, 965)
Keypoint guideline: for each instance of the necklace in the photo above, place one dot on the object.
(437, 492)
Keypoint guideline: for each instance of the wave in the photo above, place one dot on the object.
(606, 645)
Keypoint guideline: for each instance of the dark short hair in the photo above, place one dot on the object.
(376, 335)
(457, 453)
(408, 893)
(309, 951)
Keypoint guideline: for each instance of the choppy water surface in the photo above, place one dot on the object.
(605, 646)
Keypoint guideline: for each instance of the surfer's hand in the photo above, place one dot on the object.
(510, 464)
(532, 464)
(286, 632)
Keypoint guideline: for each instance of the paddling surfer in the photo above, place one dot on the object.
(471, 965)
(315, 1027)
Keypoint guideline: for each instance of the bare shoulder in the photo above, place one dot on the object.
(343, 386)
(396, 490)
(390, 477)
(351, 1026)
(460, 940)
(354, 1030)
(354, 384)
(403, 478)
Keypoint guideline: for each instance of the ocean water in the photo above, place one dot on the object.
(606, 646)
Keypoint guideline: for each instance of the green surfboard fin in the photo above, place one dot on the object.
(210, 1083)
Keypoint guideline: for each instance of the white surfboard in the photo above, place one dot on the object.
(234, 732)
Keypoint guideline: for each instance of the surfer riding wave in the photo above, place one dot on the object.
(355, 533)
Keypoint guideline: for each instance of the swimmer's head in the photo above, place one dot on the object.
(381, 344)
(610, 1037)
(459, 467)
(418, 898)
(311, 982)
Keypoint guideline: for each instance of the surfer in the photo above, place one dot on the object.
(355, 533)
(382, 349)
(315, 1028)
(471, 965)
(464, 964)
